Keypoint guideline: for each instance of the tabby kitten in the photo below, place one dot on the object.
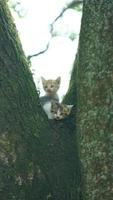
(60, 111)
(50, 87)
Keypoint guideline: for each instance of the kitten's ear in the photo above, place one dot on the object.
(58, 80)
(70, 107)
(53, 102)
(54, 105)
(43, 80)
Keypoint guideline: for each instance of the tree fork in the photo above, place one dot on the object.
(28, 140)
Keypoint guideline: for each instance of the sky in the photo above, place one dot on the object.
(34, 33)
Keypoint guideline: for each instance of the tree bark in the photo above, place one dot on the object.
(94, 80)
(38, 157)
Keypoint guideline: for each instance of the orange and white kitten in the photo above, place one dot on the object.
(50, 87)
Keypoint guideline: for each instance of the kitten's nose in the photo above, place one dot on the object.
(48, 90)
(57, 118)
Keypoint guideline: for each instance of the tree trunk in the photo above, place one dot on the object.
(38, 157)
(94, 78)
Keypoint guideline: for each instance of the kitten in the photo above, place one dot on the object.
(60, 111)
(50, 87)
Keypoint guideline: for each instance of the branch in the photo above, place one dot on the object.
(70, 5)
(41, 52)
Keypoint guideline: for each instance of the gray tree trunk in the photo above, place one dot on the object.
(38, 158)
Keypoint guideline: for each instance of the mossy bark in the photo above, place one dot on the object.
(94, 82)
(38, 157)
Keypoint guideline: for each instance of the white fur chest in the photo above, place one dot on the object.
(47, 109)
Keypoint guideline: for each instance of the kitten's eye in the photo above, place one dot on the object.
(64, 114)
(52, 111)
(52, 86)
(45, 87)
